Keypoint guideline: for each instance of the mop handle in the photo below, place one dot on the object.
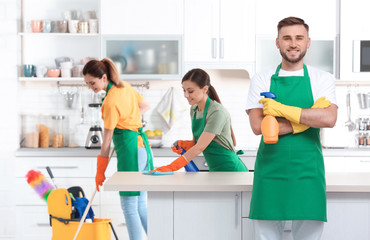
(89, 204)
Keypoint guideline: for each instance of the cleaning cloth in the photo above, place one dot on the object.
(157, 173)
(170, 108)
(80, 205)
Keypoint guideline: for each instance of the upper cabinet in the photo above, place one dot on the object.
(220, 34)
(321, 16)
(354, 27)
(142, 17)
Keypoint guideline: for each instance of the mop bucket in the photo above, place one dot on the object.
(100, 229)
(64, 225)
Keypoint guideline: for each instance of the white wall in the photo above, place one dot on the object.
(8, 113)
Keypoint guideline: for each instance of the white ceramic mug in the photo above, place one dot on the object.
(41, 71)
(93, 25)
(66, 72)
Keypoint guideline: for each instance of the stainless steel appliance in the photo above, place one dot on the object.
(94, 138)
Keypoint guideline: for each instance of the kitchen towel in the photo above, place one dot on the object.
(170, 108)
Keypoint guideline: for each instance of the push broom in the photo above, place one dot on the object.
(90, 202)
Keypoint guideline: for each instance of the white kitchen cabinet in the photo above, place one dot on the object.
(357, 164)
(142, 17)
(348, 216)
(220, 34)
(334, 164)
(353, 26)
(270, 12)
(210, 205)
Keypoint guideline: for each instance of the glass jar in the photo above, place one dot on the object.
(30, 131)
(58, 131)
(362, 139)
(362, 124)
(44, 131)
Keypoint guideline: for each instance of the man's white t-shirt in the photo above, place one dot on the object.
(322, 85)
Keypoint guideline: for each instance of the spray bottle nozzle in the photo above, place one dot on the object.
(268, 95)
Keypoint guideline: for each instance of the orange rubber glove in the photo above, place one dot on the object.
(185, 144)
(174, 166)
(100, 170)
(320, 103)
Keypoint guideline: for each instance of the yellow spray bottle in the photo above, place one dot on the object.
(269, 125)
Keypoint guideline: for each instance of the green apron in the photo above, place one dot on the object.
(125, 144)
(289, 176)
(218, 158)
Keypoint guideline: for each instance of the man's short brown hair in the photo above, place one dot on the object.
(289, 21)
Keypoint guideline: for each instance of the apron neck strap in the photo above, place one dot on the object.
(305, 71)
(110, 84)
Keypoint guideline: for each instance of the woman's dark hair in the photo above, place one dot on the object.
(98, 68)
(290, 21)
(202, 79)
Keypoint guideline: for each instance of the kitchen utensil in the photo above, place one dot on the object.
(69, 97)
(90, 202)
(351, 125)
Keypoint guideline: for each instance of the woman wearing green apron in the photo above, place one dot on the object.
(211, 128)
(289, 176)
(121, 111)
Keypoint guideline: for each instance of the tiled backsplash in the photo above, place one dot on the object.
(41, 99)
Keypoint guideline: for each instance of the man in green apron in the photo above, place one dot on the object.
(289, 176)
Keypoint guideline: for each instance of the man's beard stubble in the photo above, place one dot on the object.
(301, 56)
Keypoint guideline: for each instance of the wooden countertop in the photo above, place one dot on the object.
(221, 182)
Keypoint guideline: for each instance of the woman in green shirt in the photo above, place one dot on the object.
(211, 127)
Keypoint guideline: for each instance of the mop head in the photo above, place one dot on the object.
(39, 183)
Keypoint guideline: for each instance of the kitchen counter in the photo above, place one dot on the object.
(221, 182)
(216, 205)
(165, 152)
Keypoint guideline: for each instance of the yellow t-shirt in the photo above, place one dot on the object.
(120, 109)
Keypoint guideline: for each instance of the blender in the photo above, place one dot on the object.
(94, 138)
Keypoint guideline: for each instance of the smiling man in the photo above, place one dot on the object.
(289, 176)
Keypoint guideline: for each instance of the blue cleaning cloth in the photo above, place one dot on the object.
(80, 204)
(157, 173)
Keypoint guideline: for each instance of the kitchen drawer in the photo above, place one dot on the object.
(26, 195)
(32, 223)
(334, 164)
(246, 200)
(357, 164)
(61, 167)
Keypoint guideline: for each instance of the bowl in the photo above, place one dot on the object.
(53, 72)
(155, 142)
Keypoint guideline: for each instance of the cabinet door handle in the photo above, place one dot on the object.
(365, 161)
(214, 48)
(221, 48)
(58, 167)
(43, 224)
(237, 210)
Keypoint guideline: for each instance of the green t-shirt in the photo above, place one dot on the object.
(217, 122)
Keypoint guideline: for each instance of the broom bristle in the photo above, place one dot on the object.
(39, 183)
